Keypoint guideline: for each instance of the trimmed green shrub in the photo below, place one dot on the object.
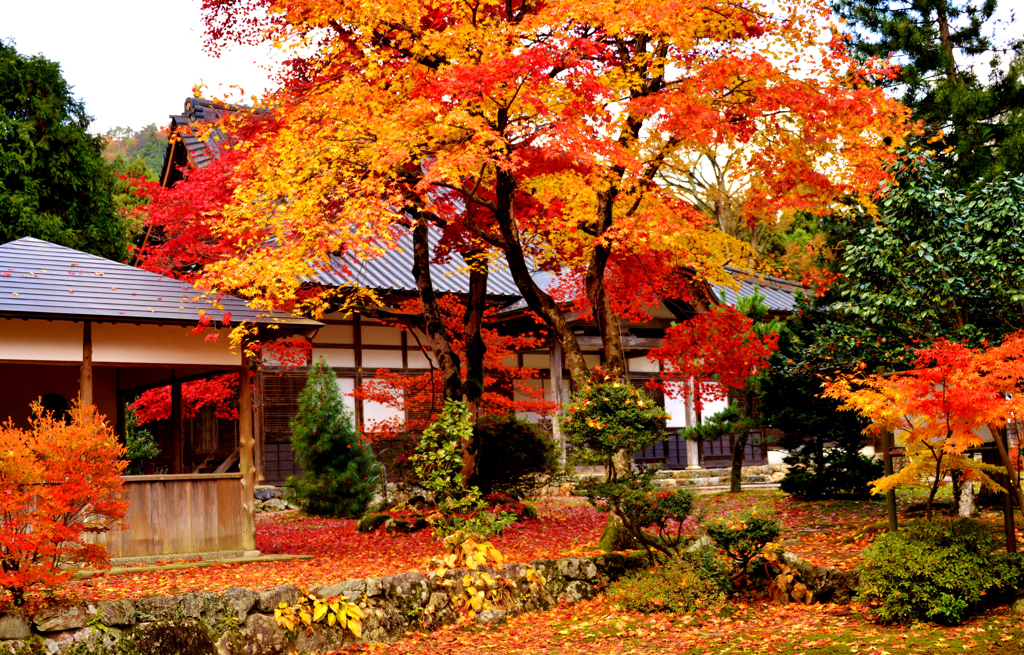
(340, 472)
(744, 537)
(140, 446)
(515, 456)
(937, 571)
(677, 586)
(651, 517)
(844, 474)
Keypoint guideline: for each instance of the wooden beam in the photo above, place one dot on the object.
(629, 343)
(85, 379)
(226, 464)
(246, 465)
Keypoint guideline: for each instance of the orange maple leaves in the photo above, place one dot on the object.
(58, 480)
(948, 404)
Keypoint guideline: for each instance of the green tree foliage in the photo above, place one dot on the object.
(140, 445)
(824, 443)
(937, 261)
(515, 457)
(146, 145)
(54, 183)
(339, 469)
(944, 47)
(125, 198)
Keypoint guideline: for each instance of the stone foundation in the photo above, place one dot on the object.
(241, 621)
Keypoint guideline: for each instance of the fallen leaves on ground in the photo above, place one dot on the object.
(596, 626)
(820, 531)
(340, 552)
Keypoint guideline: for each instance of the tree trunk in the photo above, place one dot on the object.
(736, 474)
(536, 298)
(473, 387)
(437, 335)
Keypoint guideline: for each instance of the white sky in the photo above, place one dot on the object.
(133, 62)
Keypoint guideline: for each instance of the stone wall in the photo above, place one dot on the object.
(241, 621)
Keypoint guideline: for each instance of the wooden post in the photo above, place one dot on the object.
(176, 446)
(245, 456)
(690, 420)
(259, 429)
(555, 375)
(890, 496)
(85, 379)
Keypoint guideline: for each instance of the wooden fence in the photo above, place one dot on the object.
(170, 514)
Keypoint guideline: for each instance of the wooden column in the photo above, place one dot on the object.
(557, 395)
(245, 456)
(85, 378)
(692, 447)
(259, 430)
(176, 445)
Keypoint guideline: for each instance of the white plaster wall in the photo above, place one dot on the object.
(336, 357)
(345, 386)
(643, 365)
(379, 335)
(39, 340)
(374, 359)
(334, 334)
(160, 344)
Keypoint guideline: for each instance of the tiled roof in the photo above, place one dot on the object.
(780, 295)
(199, 110)
(42, 279)
(392, 271)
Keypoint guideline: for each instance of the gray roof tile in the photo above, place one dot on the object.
(42, 279)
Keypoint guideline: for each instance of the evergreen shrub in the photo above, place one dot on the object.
(937, 571)
(515, 456)
(340, 471)
(677, 586)
(844, 475)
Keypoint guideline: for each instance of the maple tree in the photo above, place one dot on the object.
(537, 131)
(219, 391)
(421, 397)
(940, 409)
(58, 480)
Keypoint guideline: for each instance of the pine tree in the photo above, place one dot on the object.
(339, 470)
(944, 48)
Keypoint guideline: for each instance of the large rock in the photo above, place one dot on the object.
(14, 625)
(491, 617)
(184, 637)
(373, 587)
(87, 639)
(324, 639)
(405, 590)
(828, 585)
(259, 636)
(269, 599)
(161, 608)
(205, 606)
(576, 591)
(383, 623)
(576, 568)
(116, 613)
(238, 602)
(64, 617)
(352, 590)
